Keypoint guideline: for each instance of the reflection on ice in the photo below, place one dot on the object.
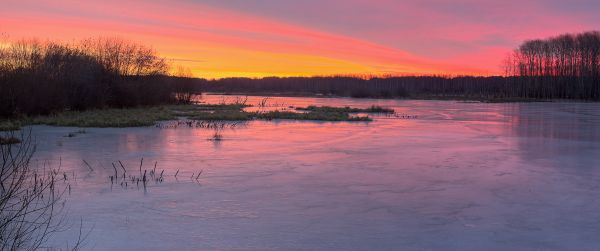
(461, 176)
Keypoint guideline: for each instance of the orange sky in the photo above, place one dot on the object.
(216, 40)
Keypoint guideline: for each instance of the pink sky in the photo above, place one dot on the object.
(218, 38)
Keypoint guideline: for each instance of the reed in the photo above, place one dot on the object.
(88, 165)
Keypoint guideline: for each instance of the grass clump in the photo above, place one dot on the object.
(315, 115)
(193, 108)
(9, 140)
(9, 125)
(73, 134)
(130, 117)
(378, 109)
(217, 112)
(347, 109)
(148, 116)
(217, 136)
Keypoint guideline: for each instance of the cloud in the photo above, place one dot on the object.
(310, 37)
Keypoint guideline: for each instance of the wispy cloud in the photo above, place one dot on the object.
(312, 37)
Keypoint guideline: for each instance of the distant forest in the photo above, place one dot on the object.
(563, 67)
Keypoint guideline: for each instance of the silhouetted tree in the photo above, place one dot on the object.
(44, 77)
(566, 66)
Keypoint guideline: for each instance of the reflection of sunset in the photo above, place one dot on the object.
(482, 159)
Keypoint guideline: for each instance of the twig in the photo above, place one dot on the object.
(92, 169)
(116, 174)
(125, 171)
(141, 162)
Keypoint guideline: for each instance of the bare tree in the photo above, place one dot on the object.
(184, 85)
(44, 77)
(31, 200)
(566, 66)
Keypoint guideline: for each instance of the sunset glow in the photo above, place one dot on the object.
(258, 125)
(218, 39)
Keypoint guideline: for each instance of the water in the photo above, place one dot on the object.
(459, 176)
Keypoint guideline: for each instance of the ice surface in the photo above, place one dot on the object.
(461, 176)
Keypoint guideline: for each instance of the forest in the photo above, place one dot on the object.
(565, 66)
(562, 67)
(45, 77)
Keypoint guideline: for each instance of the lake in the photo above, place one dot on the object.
(437, 175)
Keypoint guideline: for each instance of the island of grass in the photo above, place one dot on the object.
(148, 116)
(314, 115)
(347, 109)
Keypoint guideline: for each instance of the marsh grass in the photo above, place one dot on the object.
(318, 114)
(216, 112)
(105, 118)
(10, 125)
(347, 109)
(217, 136)
(148, 116)
(190, 110)
(74, 134)
(314, 115)
(130, 117)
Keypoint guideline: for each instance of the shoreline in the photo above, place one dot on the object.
(425, 98)
(213, 113)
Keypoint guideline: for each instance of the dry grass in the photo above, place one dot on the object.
(372, 109)
(315, 115)
(148, 116)
(105, 118)
(10, 125)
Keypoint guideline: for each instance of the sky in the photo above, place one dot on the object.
(258, 38)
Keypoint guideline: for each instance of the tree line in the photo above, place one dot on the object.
(44, 77)
(436, 87)
(562, 67)
(495, 88)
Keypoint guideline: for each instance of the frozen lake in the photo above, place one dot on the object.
(459, 176)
